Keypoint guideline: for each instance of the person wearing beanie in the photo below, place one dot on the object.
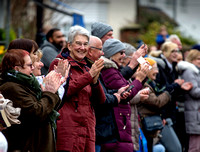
(113, 79)
(168, 77)
(112, 47)
(102, 31)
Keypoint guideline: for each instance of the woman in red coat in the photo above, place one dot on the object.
(76, 124)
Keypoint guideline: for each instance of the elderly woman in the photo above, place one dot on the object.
(36, 104)
(113, 79)
(36, 55)
(76, 124)
(191, 72)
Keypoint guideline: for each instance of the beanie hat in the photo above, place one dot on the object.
(168, 47)
(112, 46)
(100, 29)
(151, 61)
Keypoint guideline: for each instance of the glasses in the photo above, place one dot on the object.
(175, 51)
(121, 52)
(129, 57)
(78, 43)
(29, 65)
(100, 49)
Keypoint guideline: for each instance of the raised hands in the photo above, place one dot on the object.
(63, 68)
(142, 72)
(142, 51)
(184, 85)
(144, 94)
(52, 82)
(187, 86)
(179, 81)
(95, 69)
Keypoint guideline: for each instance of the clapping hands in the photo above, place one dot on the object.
(187, 86)
(142, 72)
(63, 68)
(52, 82)
(95, 69)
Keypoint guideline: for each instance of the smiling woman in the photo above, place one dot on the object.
(36, 104)
(76, 124)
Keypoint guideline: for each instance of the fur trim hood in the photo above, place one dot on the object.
(109, 63)
(184, 65)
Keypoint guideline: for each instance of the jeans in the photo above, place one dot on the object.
(158, 148)
(97, 148)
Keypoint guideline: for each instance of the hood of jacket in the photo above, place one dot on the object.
(109, 63)
(184, 65)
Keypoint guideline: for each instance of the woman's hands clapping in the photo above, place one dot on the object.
(63, 68)
(142, 72)
(95, 69)
(52, 82)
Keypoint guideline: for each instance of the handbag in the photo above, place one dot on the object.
(152, 123)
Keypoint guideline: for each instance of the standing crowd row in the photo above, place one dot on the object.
(91, 94)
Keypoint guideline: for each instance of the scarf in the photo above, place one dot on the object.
(32, 83)
(155, 87)
(23, 79)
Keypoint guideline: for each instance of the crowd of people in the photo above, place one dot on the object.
(91, 93)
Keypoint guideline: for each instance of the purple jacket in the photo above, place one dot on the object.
(113, 79)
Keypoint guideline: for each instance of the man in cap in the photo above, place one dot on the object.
(102, 31)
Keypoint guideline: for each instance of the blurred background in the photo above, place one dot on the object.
(133, 21)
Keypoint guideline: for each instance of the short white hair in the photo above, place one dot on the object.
(173, 37)
(77, 30)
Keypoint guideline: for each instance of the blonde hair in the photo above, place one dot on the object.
(39, 56)
(168, 47)
(192, 55)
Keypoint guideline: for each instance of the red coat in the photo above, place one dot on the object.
(76, 124)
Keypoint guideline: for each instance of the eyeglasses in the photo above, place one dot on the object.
(78, 43)
(130, 57)
(100, 49)
(175, 51)
(29, 65)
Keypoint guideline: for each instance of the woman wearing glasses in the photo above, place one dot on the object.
(20, 85)
(76, 124)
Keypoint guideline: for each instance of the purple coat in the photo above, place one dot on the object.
(113, 79)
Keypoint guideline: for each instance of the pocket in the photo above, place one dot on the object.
(122, 117)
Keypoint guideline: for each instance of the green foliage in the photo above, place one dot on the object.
(151, 19)
(148, 36)
(12, 35)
